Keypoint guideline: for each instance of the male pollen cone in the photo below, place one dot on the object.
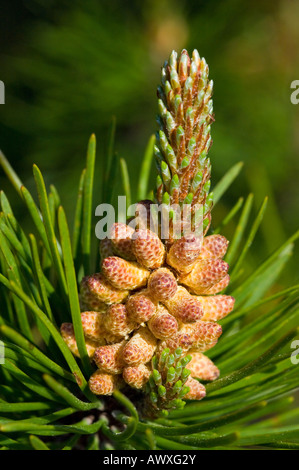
(162, 284)
(123, 274)
(154, 291)
(120, 236)
(148, 249)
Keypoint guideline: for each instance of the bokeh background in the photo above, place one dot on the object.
(70, 67)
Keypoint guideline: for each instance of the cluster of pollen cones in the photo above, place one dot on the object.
(148, 297)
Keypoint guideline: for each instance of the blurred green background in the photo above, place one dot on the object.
(70, 66)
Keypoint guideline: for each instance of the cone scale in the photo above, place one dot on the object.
(155, 302)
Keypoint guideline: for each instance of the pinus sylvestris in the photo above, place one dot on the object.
(141, 322)
(155, 302)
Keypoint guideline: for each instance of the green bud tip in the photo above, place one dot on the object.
(166, 198)
(155, 362)
(186, 360)
(178, 353)
(188, 198)
(206, 186)
(177, 386)
(153, 397)
(157, 377)
(170, 360)
(185, 162)
(171, 374)
(175, 183)
(185, 374)
(161, 391)
(205, 223)
(159, 181)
